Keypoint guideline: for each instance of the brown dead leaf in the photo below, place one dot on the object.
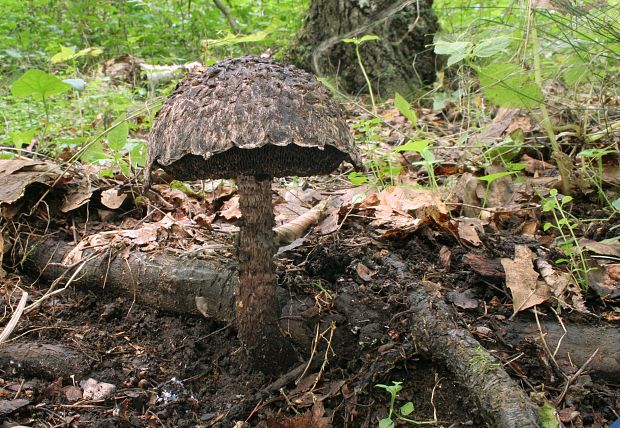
(500, 191)
(505, 121)
(522, 280)
(364, 272)
(2, 271)
(611, 175)
(535, 166)
(484, 265)
(408, 200)
(296, 228)
(445, 255)
(17, 174)
(468, 230)
(605, 280)
(111, 199)
(78, 193)
(230, 210)
(558, 282)
(329, 223)
(311, 419)
(602, 248)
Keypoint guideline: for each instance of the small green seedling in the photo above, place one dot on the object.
(428, 159)
(382, 167)
(569, 244)
(404, 410)
(592, 170)
(40, 86)
(357, 41)
(121, 146)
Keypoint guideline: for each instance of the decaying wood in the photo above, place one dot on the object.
(163, 280)
(501, 400)
(40, 359)
(576, 345)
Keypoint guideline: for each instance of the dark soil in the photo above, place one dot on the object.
(179, 371)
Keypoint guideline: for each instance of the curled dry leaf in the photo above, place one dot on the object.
(111, 199)
(17, 174)
(522, 280)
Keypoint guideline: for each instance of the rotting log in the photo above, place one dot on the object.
(162, 280)
(42, 360)
(576, 345)
(503, 403)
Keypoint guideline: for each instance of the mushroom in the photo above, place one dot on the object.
(252, 119)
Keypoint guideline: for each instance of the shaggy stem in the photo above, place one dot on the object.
(257, 306)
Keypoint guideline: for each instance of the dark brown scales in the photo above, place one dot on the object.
(250, 103)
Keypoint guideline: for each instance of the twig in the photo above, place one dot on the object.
(226, 12)
(574, 377)
(8, 329)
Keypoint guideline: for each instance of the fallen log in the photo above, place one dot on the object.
(573, 347)
(163, 280)
(503, 403)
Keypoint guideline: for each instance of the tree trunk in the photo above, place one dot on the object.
(258, 312)
(400, 61)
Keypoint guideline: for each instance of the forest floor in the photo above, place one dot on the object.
(97, 356)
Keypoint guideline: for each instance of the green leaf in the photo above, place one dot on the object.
(92, 51)
(232, 39)
(124, 167)
(443, 47)
(137, 152)
(368, 38)
(508, 85)
(490, 47)
(576, 71)
(357, 178)
(405, 109)
(456, 58)
(39, 85)
(22, 138)
(95, 153)
(386, 423)
(117, 137)
(359, 41)
(547, 226)
(65, 54)
(440, 101)
(616, 204)
(413, 146)
(489, 178)
(407, 408)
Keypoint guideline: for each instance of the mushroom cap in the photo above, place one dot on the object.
(249, 116)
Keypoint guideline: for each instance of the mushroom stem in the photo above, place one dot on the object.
(257, 306)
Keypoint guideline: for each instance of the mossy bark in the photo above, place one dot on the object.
(257, 306)
(401, 60)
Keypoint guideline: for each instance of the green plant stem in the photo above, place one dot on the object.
(359, 61)
(545, 120)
